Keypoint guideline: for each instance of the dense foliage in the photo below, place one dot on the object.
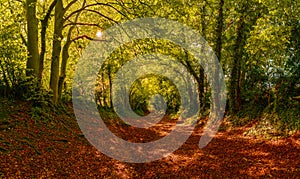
(257, 43)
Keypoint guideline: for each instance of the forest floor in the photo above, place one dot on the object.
(57, 149)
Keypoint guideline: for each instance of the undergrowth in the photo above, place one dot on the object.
(268, 122)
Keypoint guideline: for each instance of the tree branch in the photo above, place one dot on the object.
(82, 24)
(69, 5)
(91, 5)
(23, 40)
(43, 32)
(100, 14)
(51, 7)
(86, 37)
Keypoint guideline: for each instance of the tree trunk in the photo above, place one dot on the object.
(65, 57)
(56, 52)
(235, 88)
(32, 65)
(218, 50)
(110, 86)
(63, 68)
(219, 31)
(103, 92)
(201, 70)
(44, 24)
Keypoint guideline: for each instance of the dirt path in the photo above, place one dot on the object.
(30, 150)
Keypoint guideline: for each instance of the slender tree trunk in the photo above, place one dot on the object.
(201, 88)
(110, 86)
(235, 88)
(7, 87)
(103, 91)
(219, 30)
(32, 65)
(65, 57)
(201, 82)
(64, 61)
(218, 50)
(43, 50)
(198, 77)
(44, 24)
(63, 68)
(56, 52)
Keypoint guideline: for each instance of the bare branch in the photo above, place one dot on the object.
(44, 23)
(23, 40)
(91, 5)
(100, 14)
(51, 7)
(85, 37)
(81, 24)
(69, 5)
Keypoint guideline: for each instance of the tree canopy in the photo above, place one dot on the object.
(256, 42)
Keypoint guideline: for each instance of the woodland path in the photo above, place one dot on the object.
(59, 150)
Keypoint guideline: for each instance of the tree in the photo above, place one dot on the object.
(13, 54)
(64, 14)
(33, 64)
